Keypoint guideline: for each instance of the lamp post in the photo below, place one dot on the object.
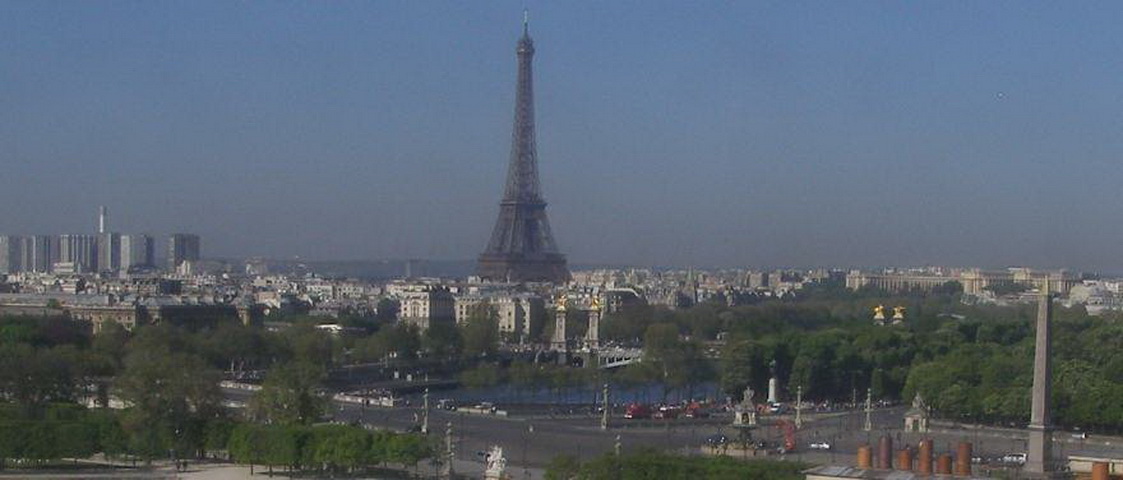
(869, 409)
(425, 413)
(526, 442)
(604, 409)
(799, 407)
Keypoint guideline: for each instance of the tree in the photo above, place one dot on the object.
(290, 394)
(172, 396)
(408, 449)
(387, 310)
(481, 332)
(442, 340)
(742, 365)
(309, 344)
(563, 467)
(340, 446)
(673, 362)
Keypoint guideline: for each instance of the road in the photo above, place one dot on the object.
(534, 437)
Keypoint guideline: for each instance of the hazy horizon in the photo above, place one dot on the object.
(738, 134)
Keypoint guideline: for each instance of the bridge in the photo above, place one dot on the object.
(616, 357)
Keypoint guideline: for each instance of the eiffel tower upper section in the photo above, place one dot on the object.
(522, 247)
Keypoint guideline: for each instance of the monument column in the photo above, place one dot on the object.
(559, 340)
(1039, 456)
(592, 336)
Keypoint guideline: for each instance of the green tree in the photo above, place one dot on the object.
(481, 332)
(291, 394)
(387, 310)
(172, 396)
(563, 467)
(442, 340)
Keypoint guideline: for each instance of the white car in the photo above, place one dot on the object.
(1015, 458)
(820, 446)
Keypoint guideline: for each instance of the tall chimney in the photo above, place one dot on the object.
(101, 214)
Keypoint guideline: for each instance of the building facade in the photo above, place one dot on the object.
(182, 247)
(137, 251)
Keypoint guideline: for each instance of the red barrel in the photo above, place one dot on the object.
(1100, 471)
(885, 453)
(904, 459)
(865, 457)
(943, 465)
(963, 460)
(924, 461)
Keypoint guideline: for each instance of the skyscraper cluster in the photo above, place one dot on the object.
(101, 252)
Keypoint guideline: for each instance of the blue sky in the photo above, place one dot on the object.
(669, 133)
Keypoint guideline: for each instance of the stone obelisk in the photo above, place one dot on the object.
(1039, 457)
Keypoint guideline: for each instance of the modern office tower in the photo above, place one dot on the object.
(522, 248)
(182, 247)
(39, 253)
(109, 252)
(137, 251)
(80, 251)
(11, 256)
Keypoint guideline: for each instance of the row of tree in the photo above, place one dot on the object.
(654, 465)
(334, 448)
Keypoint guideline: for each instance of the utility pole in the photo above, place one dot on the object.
(869, 409)
(604, 409)
(425, 413)
(448, 451)
(799, 407)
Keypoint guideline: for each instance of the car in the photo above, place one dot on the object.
(636, 411)
(1014, 458)
(820, 446)
(715, 440)
(446, 404)
(1080, 435)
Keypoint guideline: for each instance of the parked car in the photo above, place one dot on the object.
(715, 440)
(1014, 458)
(820, 446)
(636, 410)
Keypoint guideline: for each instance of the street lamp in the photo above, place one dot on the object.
(526, 440)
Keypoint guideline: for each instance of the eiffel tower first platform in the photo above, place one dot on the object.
(522, 248)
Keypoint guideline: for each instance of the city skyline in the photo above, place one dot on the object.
(797, 135)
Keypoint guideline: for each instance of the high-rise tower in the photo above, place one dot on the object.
(521, 246)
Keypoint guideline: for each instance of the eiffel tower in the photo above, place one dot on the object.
(521, 248)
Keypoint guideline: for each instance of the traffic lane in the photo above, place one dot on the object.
(526, 442)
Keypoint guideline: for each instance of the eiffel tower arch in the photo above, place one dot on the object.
(522, 247)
